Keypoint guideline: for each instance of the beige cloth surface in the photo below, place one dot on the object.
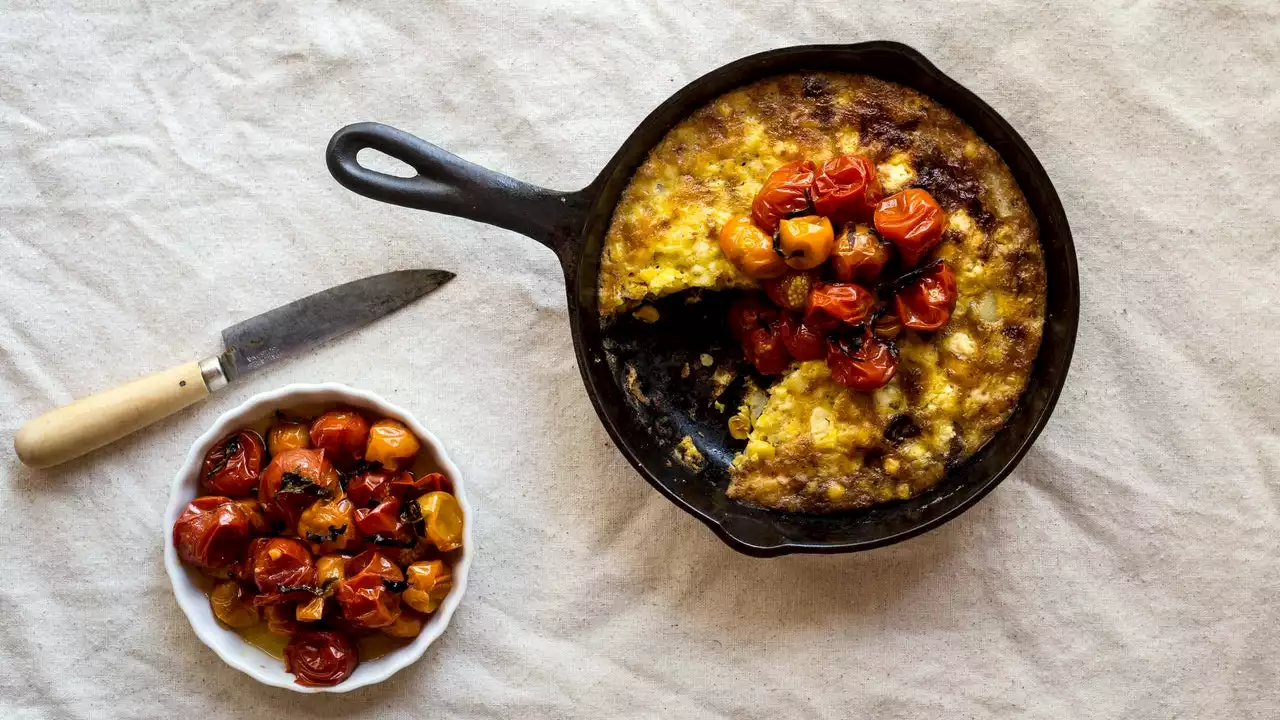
(163, 177)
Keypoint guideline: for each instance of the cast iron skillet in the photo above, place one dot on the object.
(634, 372)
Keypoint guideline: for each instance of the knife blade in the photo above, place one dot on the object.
(89, 423)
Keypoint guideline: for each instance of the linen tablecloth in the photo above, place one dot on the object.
(163, 177)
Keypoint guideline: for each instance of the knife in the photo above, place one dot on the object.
(89, 423)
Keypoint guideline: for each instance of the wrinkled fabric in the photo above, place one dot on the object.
(163, 177)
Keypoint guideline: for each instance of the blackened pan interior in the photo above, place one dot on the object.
(674, 406)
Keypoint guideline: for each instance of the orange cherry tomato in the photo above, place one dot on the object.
(366, 602)
(294, 480)
(232, 466)
(802, 342)
(320, 658)
(750, 249)
(391, 444)
(913, 221)
(344, 434)
(754, 323)
(280, 565)
(329, 525)
(846, 189)
(791, 291)
(927, 303)
(861, 362)
(288, 436)
(831, 304)
(785, 192)
(211, 533)
(858, 256)
(376, 562)
(805, 242)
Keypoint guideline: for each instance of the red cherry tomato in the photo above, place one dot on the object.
(370, 487)
(321, 657)
(913, 221)
(861, 362)
(859, 256)
(754, 323)
(831, 304)
(786, 191)
(373, 561)
(846, 189)
(211, 533)
(343, 433)
(406, 487)
(383, 522)
(791, 291)
(281, 563)
(294, 480)
(366, 602)
(927, 303)
(801, 341)
(232, 466)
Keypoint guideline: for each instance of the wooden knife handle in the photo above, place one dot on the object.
(89, 423)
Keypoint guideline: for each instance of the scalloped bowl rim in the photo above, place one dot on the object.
(229, 645)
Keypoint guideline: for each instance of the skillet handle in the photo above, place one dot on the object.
(447, 184)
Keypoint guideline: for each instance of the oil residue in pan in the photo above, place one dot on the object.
(683, 375)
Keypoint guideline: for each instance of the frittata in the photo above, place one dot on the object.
(818, 446)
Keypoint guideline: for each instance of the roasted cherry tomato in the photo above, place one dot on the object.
(211, 533)
(861, 362)
(831, 304)
(913, 221)
(429, 583)
(846, 189)
(258, 524)
(383, 523)
(859, 256)
(407, 625)
(281, 619)
(785, 192)
(370, 487)
(791, 291)
(230, 604)
(753, 323)
(344, 434)
(443, 516)
(750, 249)
(373, 561)
(232, 466)
(280, 564)
(366, 602)
(407, 487)
(294, 480)
(321, 657)
(805, 242)
(801, 341)
(286, 435)
(926, 304)
(391, 444)
(329, 525)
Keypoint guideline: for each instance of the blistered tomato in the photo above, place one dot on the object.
(429, 582)
(232, 466)
(211, 533)
(294, 480)
(927, 303)
(754, 324)
(391, 444)
(750, 249)
(288, 436)
(913, 221)
(861, 362)
(321, 657)
(801, 341)
(366, 602)
(833, 304)
(443, 516)
(344, 434)
(846, 189)
(859, 256)
(791, 291)
(373, 561)
(280, 564)
(230, 604)
(785, 192)
(329, 525)
(805, 242)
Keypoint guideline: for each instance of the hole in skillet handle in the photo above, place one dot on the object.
(445, 183)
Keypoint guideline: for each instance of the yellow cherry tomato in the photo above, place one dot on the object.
(288, 436)
(328, 525)
(806, 242)
(392, 444)
(230, 604)
(750, 249)
(443, 516)
(407, 625)
(429, 582)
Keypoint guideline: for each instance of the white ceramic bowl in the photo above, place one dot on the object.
(225, 642)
